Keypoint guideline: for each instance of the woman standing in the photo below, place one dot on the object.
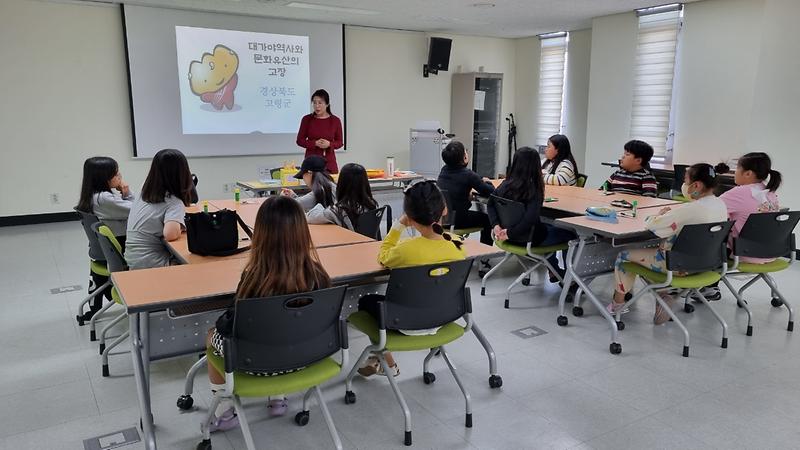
(321, 132)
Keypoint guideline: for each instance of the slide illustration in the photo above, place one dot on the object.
(214, 77)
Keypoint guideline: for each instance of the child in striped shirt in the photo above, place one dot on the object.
(559, 168)
(634, 176)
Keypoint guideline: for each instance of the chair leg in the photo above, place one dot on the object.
(107, 350)
(248, 437)
(93, 320)
(89, 298)
(743, 304)
(206, 423)
(492, 271)
(185, 400)
(328, 419)
(518, 280)
(108, 327)
(467, 398)
(716, 314)
(348, 381)
(427, 360)
(771, 283)
(674, 319)
(306, 397)
(400, 399)
(495, 380)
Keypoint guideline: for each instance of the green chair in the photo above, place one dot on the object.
(97, 266)
(112, 250)
(580, 181)
(697, 259)
(770, 236)
(294, 335)
(417, 298)
(529, 257)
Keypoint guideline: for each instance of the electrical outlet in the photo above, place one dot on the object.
(264, 173)
(226, 187)
(54, 199)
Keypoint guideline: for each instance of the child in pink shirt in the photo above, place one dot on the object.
(756, 184)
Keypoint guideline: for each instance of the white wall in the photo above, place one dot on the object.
(577, 94)
(66, 98)
(528, 53)
(613, 56)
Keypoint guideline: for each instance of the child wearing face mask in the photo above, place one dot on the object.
(703, 207)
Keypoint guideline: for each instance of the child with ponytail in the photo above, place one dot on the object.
(756, 184)
(423, 208)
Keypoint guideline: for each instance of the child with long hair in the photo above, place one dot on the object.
(282, 261)
(158, 212)
(525, 185)
(107, 196)
(703, 207)
(318, 180)
(559, 167)
(423, 207)
(353, 198)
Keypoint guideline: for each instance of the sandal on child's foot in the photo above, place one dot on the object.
(373, 367)
(227, 421)
(278, 407)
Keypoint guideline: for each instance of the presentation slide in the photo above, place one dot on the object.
(237, 82)
(227, 85)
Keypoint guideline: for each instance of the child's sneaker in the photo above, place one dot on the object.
(227, 421)
(614, 307)
(278, 407)
(373, 367)
(711, 293)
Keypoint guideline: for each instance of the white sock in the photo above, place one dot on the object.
(225, 403)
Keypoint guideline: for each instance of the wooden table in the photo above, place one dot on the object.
(377, 184)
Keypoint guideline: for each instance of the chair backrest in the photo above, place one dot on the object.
(286, 332)
(679, 171)
(767, 235)
(112, 250)
(448, 220)
(87, 220)
(509, 212)
(580, 181)
(427, 296)
(368, 223)
(700, 247)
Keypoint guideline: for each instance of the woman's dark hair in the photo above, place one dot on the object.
(323, 94)
(453, 154)
(322, 187)
(424, 203)
(524, 180)
(561, 144)
(353, 193)
(169, 174)
(761, 165)
(705, 174)
(97, 172)
(640, 149)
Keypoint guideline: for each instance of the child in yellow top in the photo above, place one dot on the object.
(423, 208)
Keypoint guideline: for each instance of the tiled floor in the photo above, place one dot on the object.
(561, 390)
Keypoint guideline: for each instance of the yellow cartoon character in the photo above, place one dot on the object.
(214, 78)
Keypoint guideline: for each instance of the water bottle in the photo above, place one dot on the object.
(205, 206)
(236, 193)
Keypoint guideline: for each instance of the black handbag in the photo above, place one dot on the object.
(215, 233)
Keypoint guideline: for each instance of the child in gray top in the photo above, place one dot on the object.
(157, 215)
(313, 173)
(106, 195)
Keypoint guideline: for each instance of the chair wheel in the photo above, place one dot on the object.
(526, 281)
(302, 418)
(615, 348)
(482, 273)
(483, 290)
(628, 296)
(185, 402)
(569, 298)
(562, 321)
(495, 381)
(349, 397)
(505, 304)
(577, 311)
(620, 325)
(776, 302)
(205, 444)
(685, 351)
(687, 308)
(428, 378)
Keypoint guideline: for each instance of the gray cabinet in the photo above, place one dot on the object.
(475, 115)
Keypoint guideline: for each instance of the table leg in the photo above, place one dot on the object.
(142, 391)
(144, 336)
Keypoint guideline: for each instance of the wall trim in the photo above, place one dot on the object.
(32, 219)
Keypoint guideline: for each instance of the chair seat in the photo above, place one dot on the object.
(521, 250)
(397, 341)
(115, 296)
(680, 198)
(692, 281)
(246, 385)
(774, 266)
(99, 268)
(465, 231)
